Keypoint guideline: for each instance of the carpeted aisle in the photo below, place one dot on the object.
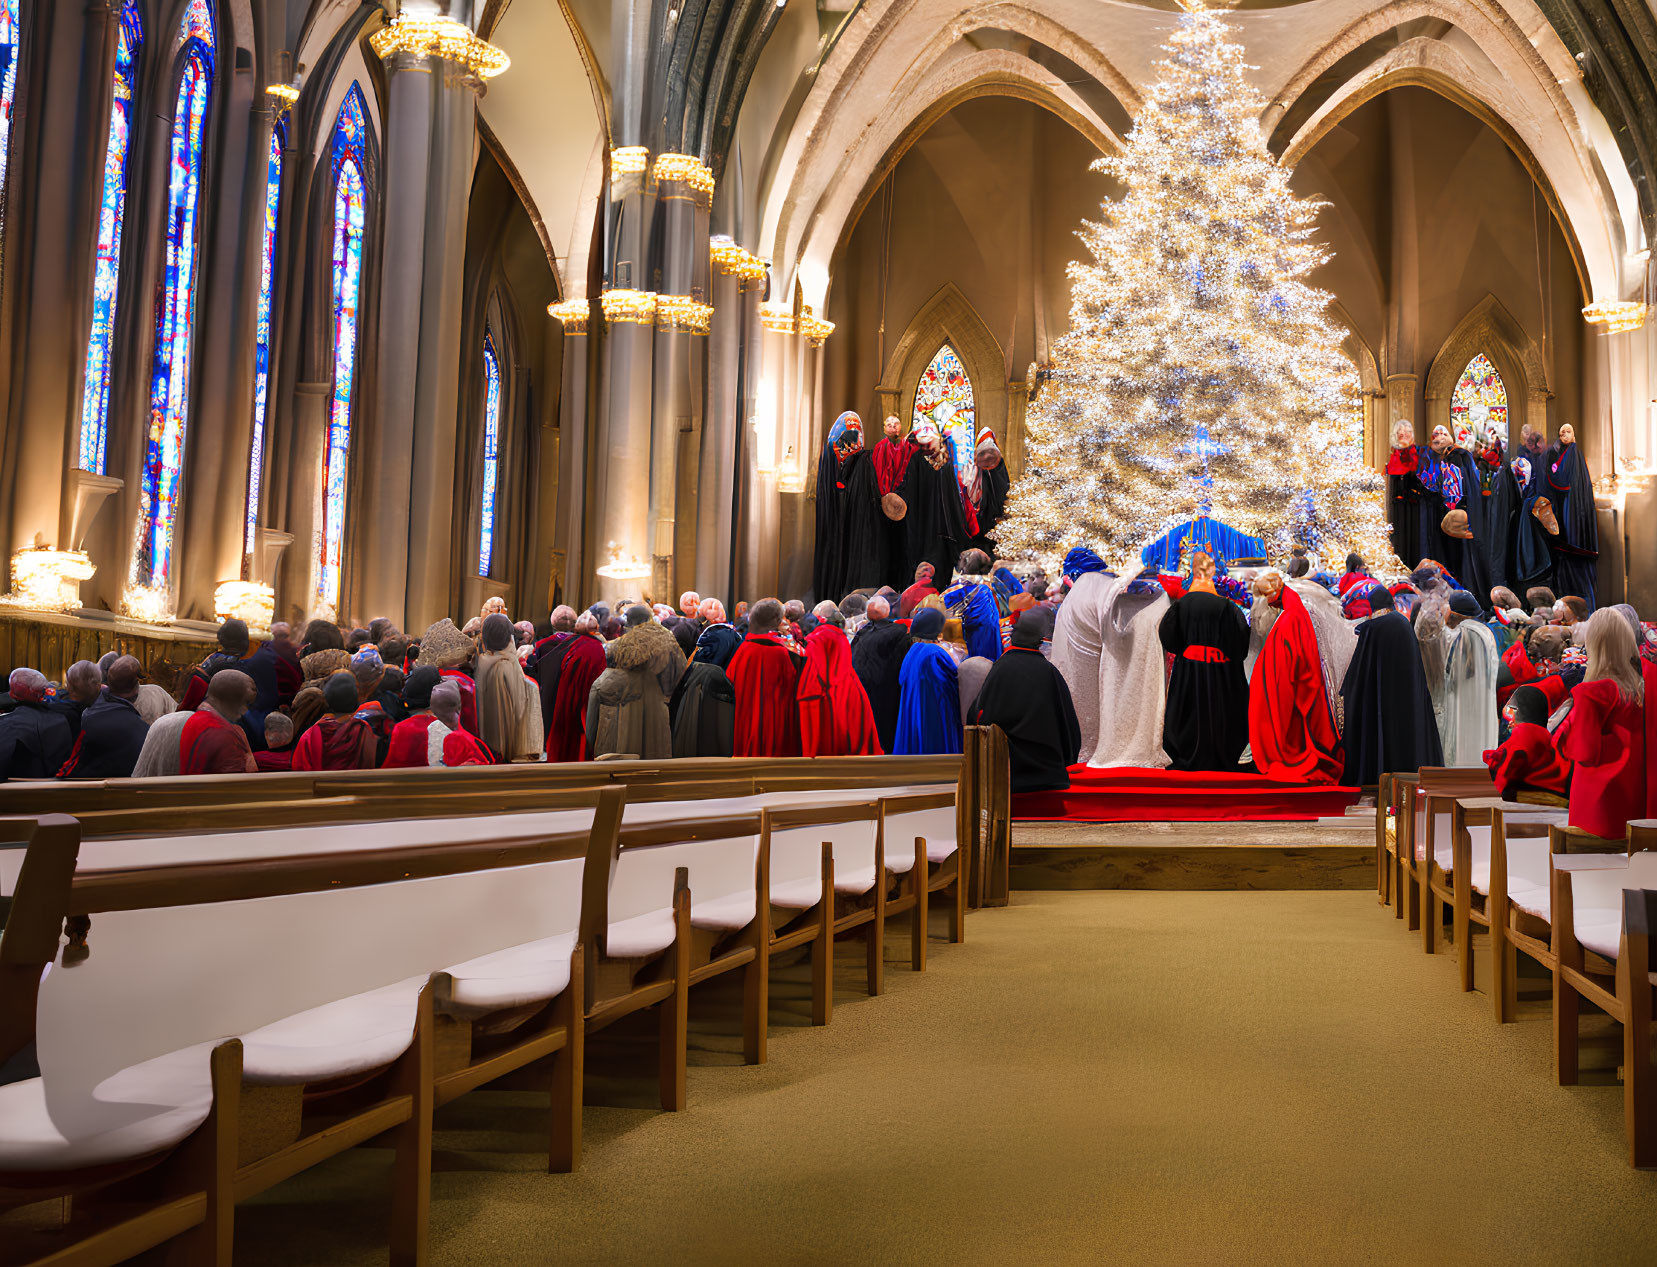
(1095, 1076)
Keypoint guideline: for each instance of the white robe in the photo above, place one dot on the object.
(1133, 684)
(1337, 640)
(1460, 664)
(1078, 642)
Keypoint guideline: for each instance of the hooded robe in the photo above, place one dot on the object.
(542, 668)
(702, 712)
(766, 677)
(828, 562)
(877, 658)
(974, 600)
(580, 665)
(865, 550)
(835, 717)
(1389, 712)
(1460, 667)
(509, 706)
(1131, 687)
(1337, 638)
(1078, 646)
(627, 708)
(1498, 494)
(336, 743)
(716, 645)
(1532, 562)
(1027, 697)
(1291, 730)
(1404, 503)
(1576, 549)
(1207, 724)
(929, 712)
(935, 527)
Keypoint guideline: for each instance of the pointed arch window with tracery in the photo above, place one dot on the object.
(10, 48)
(491, 452)
(350, 220)
(175, 317)
(106, 271)
(944, 398)
(1479, 402)
(261, 336)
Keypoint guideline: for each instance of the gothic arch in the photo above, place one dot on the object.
(948, 318)
(1491, 329)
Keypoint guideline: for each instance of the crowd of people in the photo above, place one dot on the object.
(1300, 675)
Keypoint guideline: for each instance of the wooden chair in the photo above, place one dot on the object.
(1602, 924)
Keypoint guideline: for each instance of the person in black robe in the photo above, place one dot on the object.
(1576, 548)
(877, 658)
(1450, 482)
(935, 525)
(1404, 493)
(864, 549)
(1390, 727)
(1206, 724)
(991, 493)
(719, 641)
(1532, 564)
(1498, 496)
(545, 660)
(702, 712)
(828, 565)
(1028, 698)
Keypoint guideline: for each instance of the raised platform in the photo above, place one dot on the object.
(1137, 796)
(1325, 853)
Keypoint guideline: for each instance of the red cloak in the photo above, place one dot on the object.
(766, 678)
(211, 745)
(1648, 671)
(1528, 759)
(1290, 729)
(1606, 739)
(835, 717)
(580, 668)
(336, 743)
(468, 698)
(460, 748)
(408, 743)
(891, 459)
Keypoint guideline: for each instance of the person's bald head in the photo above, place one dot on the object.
(586, 623)
(278, 731)
(712, 611)
(105, 660)
(689, 602)
(563, 619)
(281, 631)
(793, 609)
(230, 692)
(83, 681)
(445, 703)
(766, 616)
(125, 677)
(878, 609)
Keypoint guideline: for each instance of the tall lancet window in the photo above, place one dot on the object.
(1479, 402)
(491, 452)
(261, 336)
(944, 398)
(10, 39)
(106, 273)
(175, 314)
(350, 220)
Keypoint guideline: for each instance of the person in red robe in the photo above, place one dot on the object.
(922, 588)
(213, 741)
(1527, 759)
(1605, 732)
(766, 677)
(578, 668)
(409, 748)
(278, 750)
(447, 649)
(289, 676)
(835, 717)
(1291, 730)
(891, 456)
(340, 740)
(448, 743)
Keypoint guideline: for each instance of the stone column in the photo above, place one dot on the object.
(570, 564)
(716, 507)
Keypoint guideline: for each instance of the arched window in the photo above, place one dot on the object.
(261, 334)
(10, 41)
(491, 452)
(1479, 401)
(106, 274)
(350, 219)
(944, 398)
(175, 315)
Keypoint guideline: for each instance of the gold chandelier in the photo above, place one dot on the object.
(440, 37)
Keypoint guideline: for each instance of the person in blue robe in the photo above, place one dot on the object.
(1532, 564)
(929, 692)
(1571, 489)
(974, 598)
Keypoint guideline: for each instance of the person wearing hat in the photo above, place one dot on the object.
(1079, 638)
(1027, 697)
(1527, 761)
(1459, 657)
(1390, 727)
(448, 650)
(929, 702)
(936, 526)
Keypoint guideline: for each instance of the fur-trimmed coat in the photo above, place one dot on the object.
(627, 710)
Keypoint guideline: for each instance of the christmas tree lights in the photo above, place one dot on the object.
(1200, 375)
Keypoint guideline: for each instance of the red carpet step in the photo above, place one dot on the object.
(1180, 796)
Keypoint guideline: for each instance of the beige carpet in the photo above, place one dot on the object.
(1094, 1076)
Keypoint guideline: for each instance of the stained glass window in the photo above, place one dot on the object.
(1479, 401)
(944, 398)
(9, 51)
(261, 335)
(350, 219)
(175, 318)
(106, 273)
(491, 451)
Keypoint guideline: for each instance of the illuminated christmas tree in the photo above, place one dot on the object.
(1200, 376)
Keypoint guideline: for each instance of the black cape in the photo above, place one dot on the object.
(992, 505)
(863, 552)
(1465, 559)
(1027, 697)
(544, 665)
(828, 562)
(1576, 549)
(1404, 510)
(717, 645)
(1206, 725)
(935, 529)
(1498, 494)
(877, 657)
(1390, 727)
(702, 712)
(1532, 559)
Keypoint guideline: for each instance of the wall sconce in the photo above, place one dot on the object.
(48, 580)
(250, 601)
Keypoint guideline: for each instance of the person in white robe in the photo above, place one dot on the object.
(1078, 643)
(1133, 681)
(1458, 652)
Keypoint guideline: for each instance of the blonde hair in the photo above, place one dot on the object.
(934, 601)
(1612, 655)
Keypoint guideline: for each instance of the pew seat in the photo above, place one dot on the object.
(513, 978)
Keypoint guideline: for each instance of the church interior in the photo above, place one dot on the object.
(667, 408)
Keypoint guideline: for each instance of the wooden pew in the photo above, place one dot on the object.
(1430, 803)
(1602, 925)
(1480, 831)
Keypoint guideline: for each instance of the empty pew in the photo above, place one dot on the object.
(1429, 803)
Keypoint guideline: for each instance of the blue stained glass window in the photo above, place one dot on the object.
(106, 273)
(350, 221)
(9, 50)
(491, 451)
(261, 338)
(175, 317)
(944, 397)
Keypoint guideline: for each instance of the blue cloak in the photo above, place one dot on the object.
(929, 703)
(980, 618)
